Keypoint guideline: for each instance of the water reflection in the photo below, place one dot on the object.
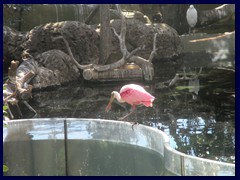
(193, 85)
(204, 138)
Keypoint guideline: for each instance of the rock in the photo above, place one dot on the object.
(12, 50)
(168, 41)
(54, 68)
(82, 40)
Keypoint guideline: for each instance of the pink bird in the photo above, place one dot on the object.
(132, 94)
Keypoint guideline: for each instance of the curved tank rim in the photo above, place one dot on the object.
(165, 136)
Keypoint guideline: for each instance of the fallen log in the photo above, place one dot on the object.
(17, 87)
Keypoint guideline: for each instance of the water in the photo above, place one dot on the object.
(84, 157)
(199, 118)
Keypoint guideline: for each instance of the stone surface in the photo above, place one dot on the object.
(12, 49)
(54, 68)
(168, 41)
(82, 40)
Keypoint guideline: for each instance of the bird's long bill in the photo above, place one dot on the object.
(110, 103)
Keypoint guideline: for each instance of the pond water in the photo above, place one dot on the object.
(198, 116)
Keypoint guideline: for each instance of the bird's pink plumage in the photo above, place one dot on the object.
(136, 95)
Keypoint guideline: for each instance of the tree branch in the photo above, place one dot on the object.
(135, 51)
(17, 87)
(154, 51)
(70, 53)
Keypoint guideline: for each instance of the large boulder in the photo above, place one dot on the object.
(138, 34)
(82, 40)
(12, 49)
(54, 68)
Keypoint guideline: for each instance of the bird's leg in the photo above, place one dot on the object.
(122, 118)
(189, 31)
(193, 30)
(134, 123)
(133, 110)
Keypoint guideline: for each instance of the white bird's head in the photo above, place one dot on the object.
(191, 6)
(113, 96)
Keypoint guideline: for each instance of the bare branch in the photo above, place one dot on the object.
(115, 32)
(109, 66)
(145, 65)
(30, 107)
(12, 71)
(10, 112)
(26, 78)
(24, 89)
(154, 51)
(174, 80)
(70, 53)
(5, 100)
(135, 51)
(123, 47)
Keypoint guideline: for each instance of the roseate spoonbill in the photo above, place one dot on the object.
(191, 17)
(132, 94)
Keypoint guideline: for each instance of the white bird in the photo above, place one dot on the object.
(191, 17)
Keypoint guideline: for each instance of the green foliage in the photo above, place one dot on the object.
(5, 168)
(5, 116)
(180, 88)
(5, 107)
